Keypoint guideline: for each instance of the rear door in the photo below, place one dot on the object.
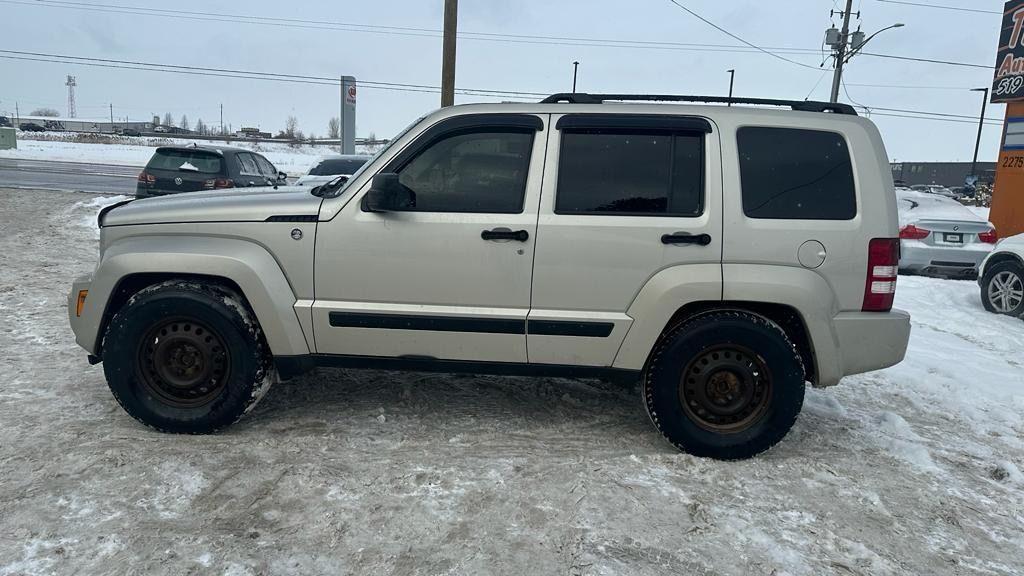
(183, 170)
(249, 171)
(625, 197)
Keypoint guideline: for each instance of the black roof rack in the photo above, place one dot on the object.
(801, 105)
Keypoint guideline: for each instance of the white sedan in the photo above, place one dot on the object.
(941, 237)
(1002, 278)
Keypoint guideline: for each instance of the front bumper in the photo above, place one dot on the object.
(871, 340)
(920, 258)
(82, 325)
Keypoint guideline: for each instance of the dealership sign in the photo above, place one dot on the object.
(1008, 85)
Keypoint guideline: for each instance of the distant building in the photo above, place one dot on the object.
(84, 125)
(948, 174)
(252, 133)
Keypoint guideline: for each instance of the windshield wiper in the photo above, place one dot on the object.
(329, 188)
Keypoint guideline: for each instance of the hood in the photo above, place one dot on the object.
(235, 205)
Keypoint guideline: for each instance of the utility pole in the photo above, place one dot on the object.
(732, 78)
(981, 125)
(111, 115)
(575, 68)
(17, 116)
(451, 17)
(844, 37)
(222, 119)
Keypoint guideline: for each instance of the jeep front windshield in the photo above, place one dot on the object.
(334, 193)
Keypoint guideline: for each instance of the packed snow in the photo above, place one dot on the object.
(911, 470)
(296, 160)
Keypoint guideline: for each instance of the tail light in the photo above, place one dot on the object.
(883, 264)
(911, 232)
(990, 237)
(146, 178)
(218, 183)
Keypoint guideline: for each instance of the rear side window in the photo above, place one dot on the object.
(625, 171)
(185, 161)
(796, 174)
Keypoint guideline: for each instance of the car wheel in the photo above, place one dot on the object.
(1002, 288)
(724, 385)
(186, 357)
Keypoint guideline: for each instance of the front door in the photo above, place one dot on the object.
(449, 277)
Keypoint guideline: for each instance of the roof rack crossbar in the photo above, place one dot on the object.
(800, 105)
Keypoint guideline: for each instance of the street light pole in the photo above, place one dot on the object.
(981, 125)
(732, 78)
(575, 68)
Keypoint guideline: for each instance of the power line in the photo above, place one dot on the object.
(735, 37)
(244, 74)
(398, 30)
(927, 60)
(909, 87)
(941, 7)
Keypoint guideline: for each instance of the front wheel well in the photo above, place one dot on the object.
(131, 284)
(787, 317)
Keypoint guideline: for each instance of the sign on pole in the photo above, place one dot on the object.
(348, 115)
(1008, 84)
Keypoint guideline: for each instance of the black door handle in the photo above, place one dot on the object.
(684, 238)
(505, 234)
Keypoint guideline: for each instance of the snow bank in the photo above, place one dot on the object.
(295, 160)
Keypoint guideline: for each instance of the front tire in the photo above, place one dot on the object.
(724, 385)
(1002, 288)
(185, 357)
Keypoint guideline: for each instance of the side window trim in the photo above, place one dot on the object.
(466, 123)
(595, 124)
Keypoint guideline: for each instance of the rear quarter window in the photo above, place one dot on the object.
(186, 161)
(789, 173)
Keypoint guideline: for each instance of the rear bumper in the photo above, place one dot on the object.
(920, 258)
(871, 340)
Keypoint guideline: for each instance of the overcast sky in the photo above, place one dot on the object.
(414, 58)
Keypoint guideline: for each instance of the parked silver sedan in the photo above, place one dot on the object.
(941, 237)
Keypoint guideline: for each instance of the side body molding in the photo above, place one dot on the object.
(245, 263)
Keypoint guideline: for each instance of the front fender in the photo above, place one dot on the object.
(248, 265)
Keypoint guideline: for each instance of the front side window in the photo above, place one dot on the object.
(482, 171)
(789, 173)
(266, 167)
(630, 172)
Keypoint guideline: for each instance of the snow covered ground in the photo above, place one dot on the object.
(295, 160)
(911, 470)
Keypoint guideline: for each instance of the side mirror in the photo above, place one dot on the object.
(387, 193)
(282, 176)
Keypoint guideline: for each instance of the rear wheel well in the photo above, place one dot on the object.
(787, 317)
(1002, 257)
(133, 283)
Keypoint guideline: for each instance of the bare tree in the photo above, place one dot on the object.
(184, 122)
(201, 127)
(47, 112)
(291, 126)
(168, 119)
(334, 128)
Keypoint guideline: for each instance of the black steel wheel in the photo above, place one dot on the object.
(186, 357)
(184, 362)
(726, 385)
(725, 389)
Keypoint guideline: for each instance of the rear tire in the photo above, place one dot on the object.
(185, 357)
(1002, 289)
(726, 385)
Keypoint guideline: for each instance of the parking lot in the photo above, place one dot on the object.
(915, 469)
